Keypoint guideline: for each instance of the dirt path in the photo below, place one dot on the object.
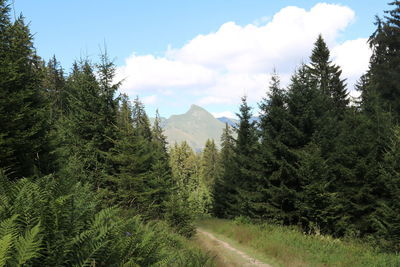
(225, 254)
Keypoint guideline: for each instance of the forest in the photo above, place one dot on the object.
(87, 180)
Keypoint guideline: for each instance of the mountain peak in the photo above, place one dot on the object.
(194, 107)
(196, 126)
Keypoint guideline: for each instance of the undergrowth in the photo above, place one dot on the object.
(290, 247)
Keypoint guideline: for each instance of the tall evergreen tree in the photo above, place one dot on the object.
(89, 127)
(327, 77)
(247, 179)
(55, 89)
(383, 76)
(386, 219)
(224, 190)
(185, 166)
(132, 159)
(23, 112)
(209, 168)
(140, 120)
(276, 135)
(161, 170)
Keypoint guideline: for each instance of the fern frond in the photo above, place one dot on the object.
(28, 246)
(6, 245)
(8, 226)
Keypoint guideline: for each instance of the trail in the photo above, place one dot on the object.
(225, 254)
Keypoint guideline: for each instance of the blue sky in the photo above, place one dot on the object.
(176, 53)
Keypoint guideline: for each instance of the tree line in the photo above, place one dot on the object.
(84, 178)
(317, 160)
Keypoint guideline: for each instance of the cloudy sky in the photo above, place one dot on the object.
(174, 53)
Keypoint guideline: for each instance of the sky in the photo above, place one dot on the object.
(174, 53)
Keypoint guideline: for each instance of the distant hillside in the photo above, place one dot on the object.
(195, 127)
(231, 122)
(235, 122)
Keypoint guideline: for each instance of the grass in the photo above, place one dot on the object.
(290, 247)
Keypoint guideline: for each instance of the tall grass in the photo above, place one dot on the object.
(290, 247)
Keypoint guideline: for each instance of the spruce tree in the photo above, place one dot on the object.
(140, 119)
(23, 112)
(383, 76)
(276, 136)
(386, 219)
(247, 181)
(185, 166)
(132, 159)
(328, 77)
(224, 190)
(209, 168)
(87, 131)
(55, 89)
(161, 170)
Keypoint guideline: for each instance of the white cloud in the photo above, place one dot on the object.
(353, 56)
(143, 72)
(221, 66)
(227, 114)
(152, 99)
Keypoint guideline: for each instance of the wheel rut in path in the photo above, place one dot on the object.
(221, 247)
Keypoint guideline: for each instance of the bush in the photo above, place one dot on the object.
(242, 220)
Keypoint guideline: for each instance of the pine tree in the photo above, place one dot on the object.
(23, 115)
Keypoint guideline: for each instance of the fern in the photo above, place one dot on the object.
(6, 245)
(28, 246)
(8, 227)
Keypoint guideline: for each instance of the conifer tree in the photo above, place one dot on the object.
(55, 89)
(161, 170)
(247, 179)
(386, 219)
(23, 115)
(383, 76)
(209, 169)
(185, 166)
(224, 191)
(327, 77)
(276, 136)
(89, 127)
(132, 159)
(140, 120)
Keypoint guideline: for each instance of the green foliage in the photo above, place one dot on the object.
(47, 223)
(247, 177)
(314, 161)
(190, 187)
(140, 177)
(290, 247)
(224, 190)
(180, 216)
(24, 127)
(209, 169)
(382, 78)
